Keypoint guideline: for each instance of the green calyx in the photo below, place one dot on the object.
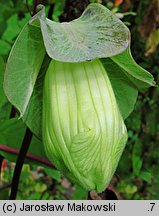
(83, 131)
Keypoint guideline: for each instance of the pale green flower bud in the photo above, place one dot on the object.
(83, 131)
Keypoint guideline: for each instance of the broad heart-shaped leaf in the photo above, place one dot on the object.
(23, 66)
(127, 78)
(12, 133)
(96, 33)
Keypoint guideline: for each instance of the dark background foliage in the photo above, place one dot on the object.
(137, 176)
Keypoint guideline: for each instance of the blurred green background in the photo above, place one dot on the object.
(137, 176)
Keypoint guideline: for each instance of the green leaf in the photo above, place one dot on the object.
(125, 92)
(23, 66)
(54, 174)
(12, 133)
(4, 105)
(33, 115)
(136, 157)
(6, 10)
(137, 165)
(5, 47)
(127, 78)
(146, 176)
(37, 148)
(11, 33)
(80, 193)
(2, 66)
(96, 33)
(3, 25)
(137, 75)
